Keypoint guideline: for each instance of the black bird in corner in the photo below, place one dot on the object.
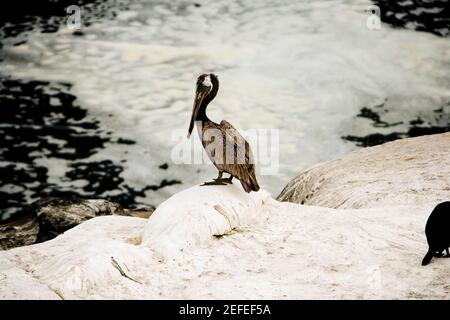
(437, 231)
(225, 146)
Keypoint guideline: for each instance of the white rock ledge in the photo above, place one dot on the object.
(192, 217)
(275, 251)
(414, 171)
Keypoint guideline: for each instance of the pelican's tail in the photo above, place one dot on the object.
(251, 184)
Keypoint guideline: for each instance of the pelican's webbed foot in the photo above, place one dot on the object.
(228, 180)
(219, 181)
(216, 182)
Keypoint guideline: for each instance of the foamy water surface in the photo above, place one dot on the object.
(305, 68)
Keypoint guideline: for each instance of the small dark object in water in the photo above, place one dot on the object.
(125, 141)
(197, 5)
(78, 33)
(164, 166)
(416, 122)
(437, 231)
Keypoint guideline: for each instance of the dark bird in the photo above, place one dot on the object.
(437, 231)
(226, 148)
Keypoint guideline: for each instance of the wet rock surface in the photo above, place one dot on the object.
(56, 215)
(20, 232)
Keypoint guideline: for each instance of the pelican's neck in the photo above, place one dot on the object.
(211, 95)
(202, 114)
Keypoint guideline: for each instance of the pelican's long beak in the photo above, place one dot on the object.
(200, 94)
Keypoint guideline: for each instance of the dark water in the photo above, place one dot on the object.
(41, 120)
(421, 15)
(47, 16)
(438, 122)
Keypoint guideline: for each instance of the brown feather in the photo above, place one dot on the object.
(241, 165)
(225, 146)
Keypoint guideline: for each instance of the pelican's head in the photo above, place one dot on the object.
(203, 88)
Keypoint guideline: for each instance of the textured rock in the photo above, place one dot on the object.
(56, 215)
(49, 217)
(144, 213)
(252, 250)
(413, 171)
(195, 216)
(20, 232)
(218, 242)
(74, 263)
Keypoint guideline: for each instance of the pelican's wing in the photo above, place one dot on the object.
(242, 165)
(236, 143)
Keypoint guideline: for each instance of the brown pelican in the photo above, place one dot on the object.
(226, 148)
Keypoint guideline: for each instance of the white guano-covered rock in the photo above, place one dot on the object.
(196, 215)
(413, 171)
(76, 264)
(218, 242)
(294, 252)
